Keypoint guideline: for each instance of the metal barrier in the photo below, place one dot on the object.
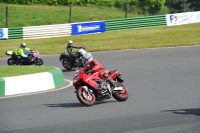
(15, 33)
(45, 31)
(48, 31)
(138, 22)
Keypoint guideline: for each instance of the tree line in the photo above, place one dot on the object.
(149, 6)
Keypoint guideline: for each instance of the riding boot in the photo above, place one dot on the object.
(111, 83)
(72, 60)
(71, 63)
(20, 61)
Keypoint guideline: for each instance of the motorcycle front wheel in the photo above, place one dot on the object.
(121, 95)
(85, 98)
(38, 62)
(66, 64)
(11, 61)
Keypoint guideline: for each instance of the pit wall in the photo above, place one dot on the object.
(31, 83)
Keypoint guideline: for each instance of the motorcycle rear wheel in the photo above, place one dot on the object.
(11, 61)
(84, 98)
(66, 64)
(121, 95)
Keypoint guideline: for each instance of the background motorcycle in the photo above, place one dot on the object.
(90, 88)
(65, 58)
(34, 58)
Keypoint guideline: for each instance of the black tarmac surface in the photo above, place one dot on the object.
(164, 97)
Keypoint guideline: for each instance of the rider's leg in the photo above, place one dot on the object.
(19, 59)
(72, 60)
(105, 76)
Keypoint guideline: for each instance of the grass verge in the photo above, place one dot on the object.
(182, 35)
(34, 15)
(7, 71)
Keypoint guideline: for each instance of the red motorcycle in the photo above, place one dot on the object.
(91, 88)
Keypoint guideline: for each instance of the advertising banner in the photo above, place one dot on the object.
(3, 33)
(197, 17)
(88, 28)
(181, 18)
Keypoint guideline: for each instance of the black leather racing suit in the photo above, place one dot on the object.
(69, 50)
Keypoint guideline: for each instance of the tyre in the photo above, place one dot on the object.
(66, 64)
(38, 62)
(121, 95)
(84, 98)
(11, 61)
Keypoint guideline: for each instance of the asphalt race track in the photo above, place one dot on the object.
(164, 97)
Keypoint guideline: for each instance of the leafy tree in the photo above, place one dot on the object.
(195, 5)
(178, 6)
(152, 6)
(148, 6)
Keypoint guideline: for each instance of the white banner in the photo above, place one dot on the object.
(182, 18)
(197, 17)
(3, 33)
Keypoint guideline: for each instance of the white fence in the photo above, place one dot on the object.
(58, 30)
(46, 31)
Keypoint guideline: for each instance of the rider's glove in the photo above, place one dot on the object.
(76, 55)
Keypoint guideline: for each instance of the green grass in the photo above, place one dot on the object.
(7, 71)
(183, 35)
(20, 16)
(33, 15)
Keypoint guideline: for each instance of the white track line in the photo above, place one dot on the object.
(51, 90)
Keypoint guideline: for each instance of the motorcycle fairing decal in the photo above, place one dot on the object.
(118, 88)
(95, 74)
(88, 79)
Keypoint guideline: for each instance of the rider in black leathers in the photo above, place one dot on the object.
(69, 50)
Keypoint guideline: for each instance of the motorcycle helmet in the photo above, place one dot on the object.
(70, 42)
(23, 45)
(82, 52)
(87, 58)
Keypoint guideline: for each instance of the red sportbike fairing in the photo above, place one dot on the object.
(34, 58)
(91, 88)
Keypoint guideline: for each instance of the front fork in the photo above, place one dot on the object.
(118, 78)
